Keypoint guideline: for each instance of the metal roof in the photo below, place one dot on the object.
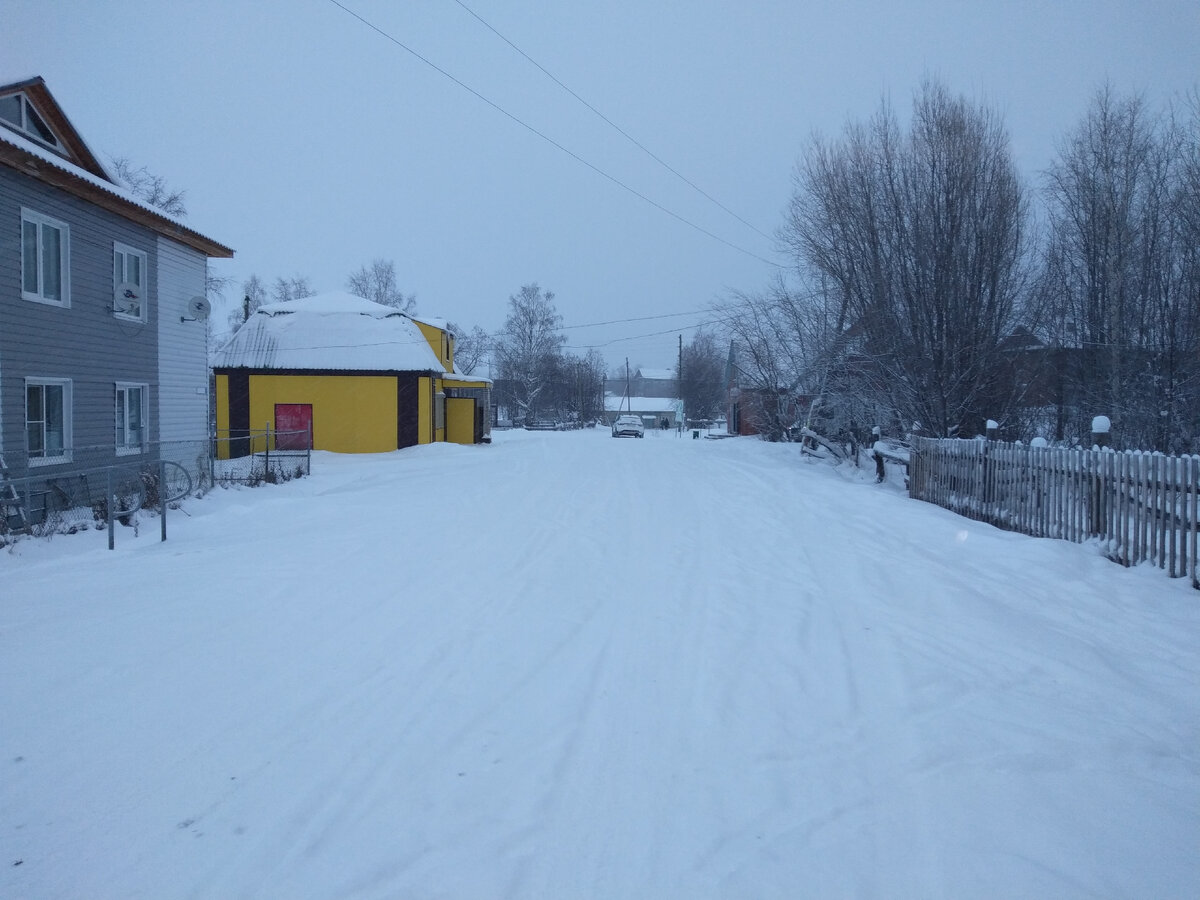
(329, 332)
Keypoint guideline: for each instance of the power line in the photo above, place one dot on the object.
(690, 312)
(549, 139)
(614, 125)
(636, 337)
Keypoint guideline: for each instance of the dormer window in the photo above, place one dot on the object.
(18, 112)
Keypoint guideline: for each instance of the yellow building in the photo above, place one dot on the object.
(357, 376)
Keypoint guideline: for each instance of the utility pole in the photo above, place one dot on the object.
(679, 426)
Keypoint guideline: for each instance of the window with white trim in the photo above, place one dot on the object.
(133, 418)
(45, 259)
(48, 420)
(17, 111)
(129, 268)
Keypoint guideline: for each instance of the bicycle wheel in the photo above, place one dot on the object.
(177, 482)
(129, 493)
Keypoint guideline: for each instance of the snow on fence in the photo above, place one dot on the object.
(1141, 507)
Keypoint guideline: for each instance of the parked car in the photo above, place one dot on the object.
(628, 426)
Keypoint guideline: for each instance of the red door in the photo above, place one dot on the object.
(293, 425)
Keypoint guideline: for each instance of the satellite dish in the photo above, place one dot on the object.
(127, 298)
(198, 308)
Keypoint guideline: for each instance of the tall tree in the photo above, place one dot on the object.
(529, 347)
(1117, 269)
(919, 237)
(582, 389)
(700, 375)
(377, 281)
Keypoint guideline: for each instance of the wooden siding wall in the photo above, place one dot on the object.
(84, 342)
(182, 358)
(351, 413)
(1142, 507)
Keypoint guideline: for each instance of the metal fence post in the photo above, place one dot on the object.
(111, 506)
(162, 497)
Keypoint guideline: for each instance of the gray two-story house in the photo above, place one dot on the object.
(102, 338)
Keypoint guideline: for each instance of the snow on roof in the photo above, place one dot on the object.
(618, 403)
(469, 379)
(435, 323)
(336, 331)
(45, 155)
(662, 374)
(331, 303)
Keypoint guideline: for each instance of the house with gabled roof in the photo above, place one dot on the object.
(347, 374)
(102, 300)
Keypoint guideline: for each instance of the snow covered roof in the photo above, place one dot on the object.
(334, 331)
(469, 379)
(435, 323)
(44, 164)
(617, 403)
(659, 374)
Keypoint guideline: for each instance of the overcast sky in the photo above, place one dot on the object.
(312, 143)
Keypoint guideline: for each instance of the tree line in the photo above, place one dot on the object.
(932, 289)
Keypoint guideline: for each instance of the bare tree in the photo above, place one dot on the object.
(295, 288)
(773, 355)
(1120, 271)
(701, 376)
(529, 347)
(913, 246)
(215, 284)
(470, 348)
(148, 187)
(377, 281)
(254, 295)
(581, 392)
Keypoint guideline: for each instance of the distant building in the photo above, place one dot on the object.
(645, 383)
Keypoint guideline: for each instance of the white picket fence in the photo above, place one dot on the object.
(1141, 507)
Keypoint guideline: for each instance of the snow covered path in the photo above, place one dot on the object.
(567, 666)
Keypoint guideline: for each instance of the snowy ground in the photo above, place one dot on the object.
(566, 666)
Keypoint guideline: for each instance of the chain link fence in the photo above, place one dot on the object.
(86, 486)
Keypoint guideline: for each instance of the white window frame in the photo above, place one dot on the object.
(40, 222)
(24, 126)
(121, 408)
(120, 276)
(66, 454)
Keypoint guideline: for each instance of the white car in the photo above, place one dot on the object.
(628, 426)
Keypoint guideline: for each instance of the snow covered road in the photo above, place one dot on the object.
(569, 666)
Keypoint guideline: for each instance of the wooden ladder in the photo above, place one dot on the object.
(10, 500)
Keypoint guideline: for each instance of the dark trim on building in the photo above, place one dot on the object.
(374, 373)
(239, 414)
(407, 410)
